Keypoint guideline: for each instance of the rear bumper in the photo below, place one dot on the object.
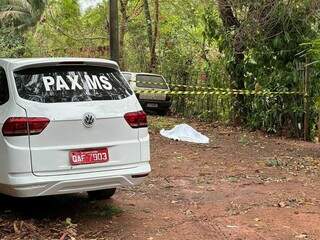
(163, 105)
(29, 185)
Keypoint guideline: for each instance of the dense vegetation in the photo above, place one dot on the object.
(269, 45)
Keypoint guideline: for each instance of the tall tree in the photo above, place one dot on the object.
(21, 13)
(129, 10)
(58, 36)
(147, 15)
(236, 68)
(266, 32)
(152, 33)
(153, 58)
(114, 30)
(123, 29)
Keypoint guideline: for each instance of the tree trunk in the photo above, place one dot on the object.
(114, 30)
(236, 68)
(153, 58)
(148, 22)
(123, 31)
(149, 28)
(226, 13)
(237, 79)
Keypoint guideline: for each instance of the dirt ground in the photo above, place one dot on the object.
(241, 186)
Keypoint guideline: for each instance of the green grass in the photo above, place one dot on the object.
(274, 163)
(157, 123)
(244, 140)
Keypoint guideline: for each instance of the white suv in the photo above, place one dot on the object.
(69, 125)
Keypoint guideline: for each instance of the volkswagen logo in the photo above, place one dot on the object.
(88, 120)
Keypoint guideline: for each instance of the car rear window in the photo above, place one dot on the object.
(151, 81)
(71, 84)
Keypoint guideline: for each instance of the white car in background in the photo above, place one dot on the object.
(159, 102)
(69, 125)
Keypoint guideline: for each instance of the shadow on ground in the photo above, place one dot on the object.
(51, 207)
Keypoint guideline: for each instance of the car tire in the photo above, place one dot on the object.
(102, 194)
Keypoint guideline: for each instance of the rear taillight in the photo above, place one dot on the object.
(20, 126)
(137, 119)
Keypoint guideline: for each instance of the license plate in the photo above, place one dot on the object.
(152, 105)
(89, 156)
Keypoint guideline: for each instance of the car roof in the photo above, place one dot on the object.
(142, 73)
(17, 63)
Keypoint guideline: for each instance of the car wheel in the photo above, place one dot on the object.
(102, 194)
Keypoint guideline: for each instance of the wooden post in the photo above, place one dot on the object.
(114, 31)
(306, 102)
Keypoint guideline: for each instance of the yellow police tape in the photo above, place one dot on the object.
(225, 92)
(172, 85)
(212, 91)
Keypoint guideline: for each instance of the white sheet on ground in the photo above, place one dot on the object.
(185, 133)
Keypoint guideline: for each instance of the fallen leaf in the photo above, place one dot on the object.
(232, 226)
(302, 236)
(282, 204)
(188, 212)
(15, 227)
